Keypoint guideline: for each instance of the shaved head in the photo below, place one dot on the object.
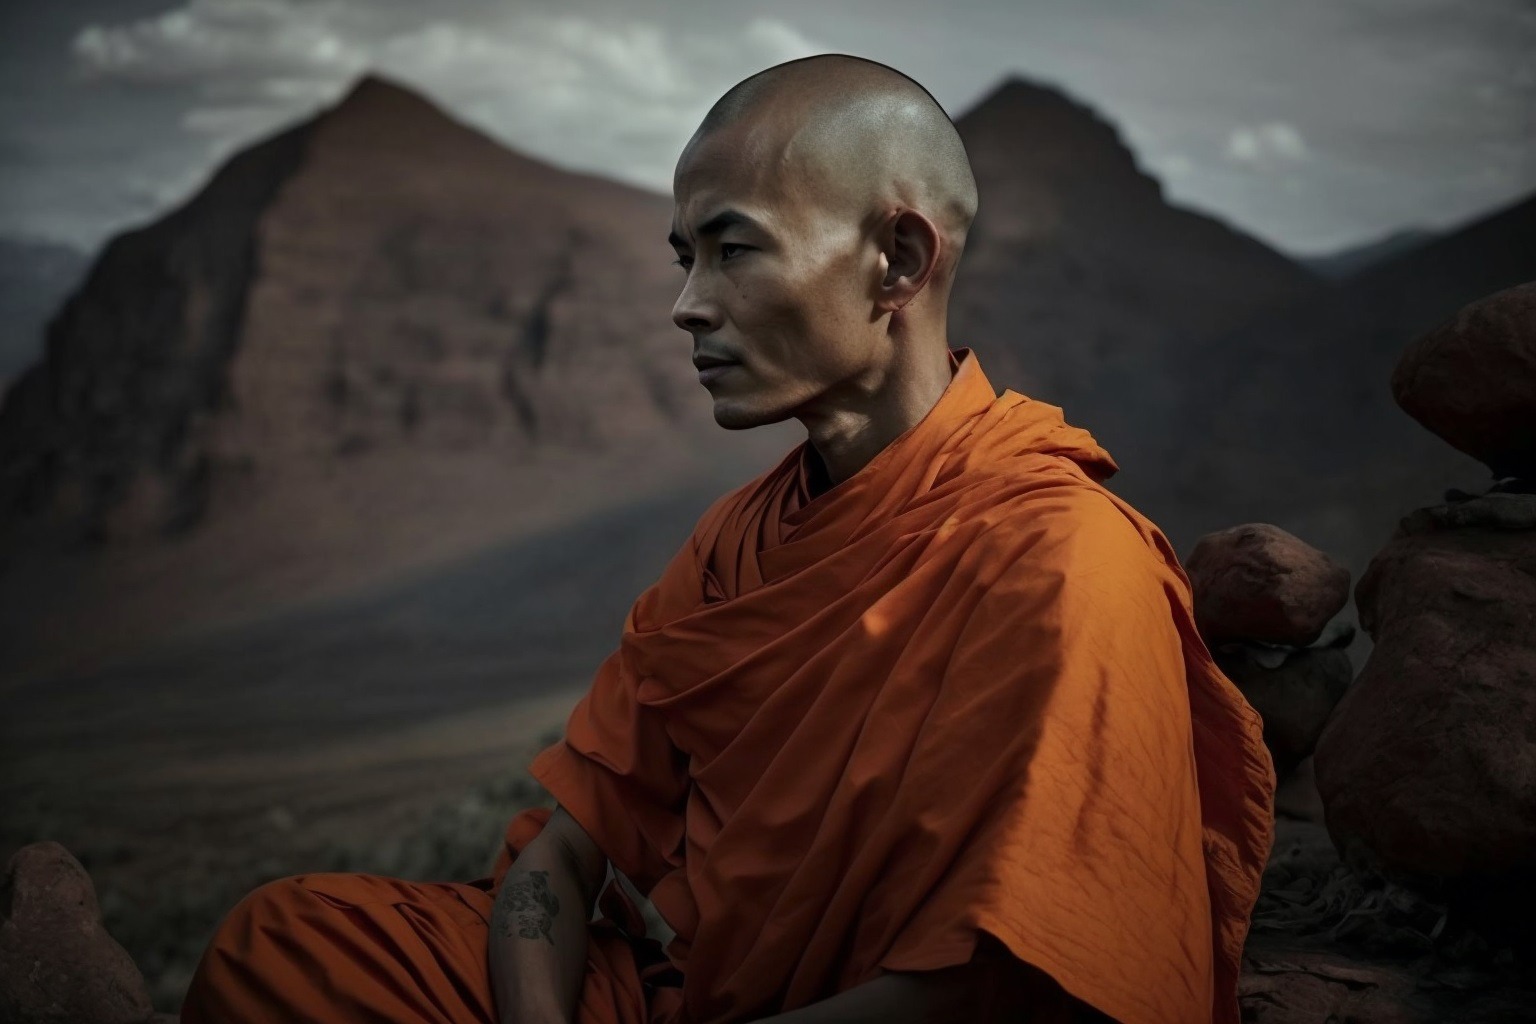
(819, 213)
(862, 132)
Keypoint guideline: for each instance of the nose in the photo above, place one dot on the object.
(694, 311)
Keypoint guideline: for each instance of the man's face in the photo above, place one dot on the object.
(780, 281)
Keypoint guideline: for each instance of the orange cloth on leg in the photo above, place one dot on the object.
(337, 947)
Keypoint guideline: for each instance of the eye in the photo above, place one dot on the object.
(724, 255)
(683, 261)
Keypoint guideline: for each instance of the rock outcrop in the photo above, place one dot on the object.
(1427, 769)
(1472, 381)
(1262, 598)
(1428, 765)
(1294, 697)
(58, 965)
(1258, 582)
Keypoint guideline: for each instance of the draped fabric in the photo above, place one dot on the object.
(959, 693)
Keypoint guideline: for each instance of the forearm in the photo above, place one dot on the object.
(538, 936)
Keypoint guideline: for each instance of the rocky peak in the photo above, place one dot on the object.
(1026, 136)
(1067, 288)
(391, 128)
(380, 277)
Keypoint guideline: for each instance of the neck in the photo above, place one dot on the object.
(873, 413)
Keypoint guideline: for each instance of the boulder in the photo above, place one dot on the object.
(1427, 765)
(1294, 697)
(1472, 381)
(57, 962)
(1258, 582)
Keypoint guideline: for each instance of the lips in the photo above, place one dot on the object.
(704, 362)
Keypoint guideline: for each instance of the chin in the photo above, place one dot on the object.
(737, 415)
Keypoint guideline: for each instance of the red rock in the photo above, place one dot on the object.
(1427, 764)
(1258, 582)
(57, 962)
(1472, 380)
(1294, 698)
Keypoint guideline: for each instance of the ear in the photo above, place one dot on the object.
(910, 249)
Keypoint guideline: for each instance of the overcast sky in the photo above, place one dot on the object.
(1313, 124)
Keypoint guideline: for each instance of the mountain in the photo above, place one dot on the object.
(376, 339)
(1302, 429)
(1346, 263)
(35, 276)
(1231, 383)
(1080, 285)
(379, 278)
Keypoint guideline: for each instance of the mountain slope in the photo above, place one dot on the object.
(374, 340)
(1304, 431)
(1082, 287)
(376, 282)
(1337, 266)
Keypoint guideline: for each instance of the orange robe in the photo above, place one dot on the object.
(959, 693)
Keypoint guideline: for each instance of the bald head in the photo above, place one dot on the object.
(819, 214)
(861, 135)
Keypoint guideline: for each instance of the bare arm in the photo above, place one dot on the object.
(538, 943)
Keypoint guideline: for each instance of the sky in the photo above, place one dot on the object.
(1315, 125)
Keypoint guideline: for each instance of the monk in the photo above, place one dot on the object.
(915, 727)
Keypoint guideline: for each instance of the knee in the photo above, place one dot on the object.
(270, 915)
(269, 901)
(239, 967)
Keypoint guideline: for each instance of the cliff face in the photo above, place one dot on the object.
(376, 279)
(135, 356)
(422, 285)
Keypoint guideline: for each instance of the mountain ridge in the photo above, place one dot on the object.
(354, 346)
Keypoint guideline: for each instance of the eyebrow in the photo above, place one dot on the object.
(715, 225)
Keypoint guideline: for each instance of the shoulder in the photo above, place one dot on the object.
(1071, 581)
(1055, 530)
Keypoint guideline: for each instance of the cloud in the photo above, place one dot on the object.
(1172, 165)
(617, 96)
(220, 39)
(1269, 143)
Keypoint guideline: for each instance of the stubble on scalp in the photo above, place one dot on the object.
(862, 135)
